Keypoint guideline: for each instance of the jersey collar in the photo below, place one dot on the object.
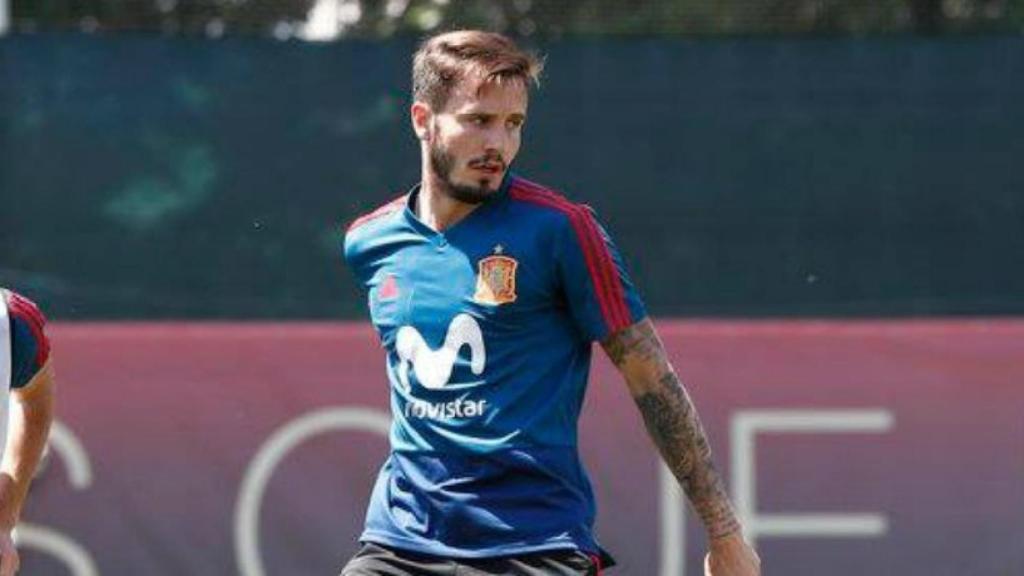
(413, 219)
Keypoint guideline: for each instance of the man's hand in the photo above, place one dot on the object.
(731, 556)
(9, 560)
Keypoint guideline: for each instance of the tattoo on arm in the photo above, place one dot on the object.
(673, 424)
(639, 341)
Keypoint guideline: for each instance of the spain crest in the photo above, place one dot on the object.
(496, 280)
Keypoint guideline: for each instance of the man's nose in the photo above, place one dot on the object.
(496, 140)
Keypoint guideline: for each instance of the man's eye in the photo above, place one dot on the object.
(479, 120)
(515, 123)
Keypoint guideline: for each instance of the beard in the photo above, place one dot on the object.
(443, 163)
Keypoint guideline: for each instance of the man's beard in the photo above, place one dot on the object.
(443, 164)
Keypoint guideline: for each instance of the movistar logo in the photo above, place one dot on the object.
(434, 367)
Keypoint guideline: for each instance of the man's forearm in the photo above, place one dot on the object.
(673, 424)
(676, 429)
(27, 433)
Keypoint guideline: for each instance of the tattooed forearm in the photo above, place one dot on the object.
(676, 429)
(673, 423)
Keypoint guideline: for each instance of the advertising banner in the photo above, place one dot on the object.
(249, 449)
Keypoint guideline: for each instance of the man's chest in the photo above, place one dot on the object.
(499, 282)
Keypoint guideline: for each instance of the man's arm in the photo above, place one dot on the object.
(28, 427)
(675, 428)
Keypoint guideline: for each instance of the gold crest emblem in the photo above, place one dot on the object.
(496, 280)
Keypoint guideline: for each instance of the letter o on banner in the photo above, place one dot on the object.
(270, 455)
(71, 451)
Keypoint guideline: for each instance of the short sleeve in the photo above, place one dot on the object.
(599, 294)
(351, 252)
(363, 238)
(30, 347)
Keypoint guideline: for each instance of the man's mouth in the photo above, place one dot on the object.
(491, 168)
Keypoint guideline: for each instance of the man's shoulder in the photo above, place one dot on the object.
(379, 213)
(543, 199)
(371, 225)
(552, 211)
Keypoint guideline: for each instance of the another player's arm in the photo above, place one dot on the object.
(31, 412)
(674, 426)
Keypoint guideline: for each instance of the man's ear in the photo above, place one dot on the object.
(421, 114)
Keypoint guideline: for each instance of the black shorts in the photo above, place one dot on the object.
(376, 560)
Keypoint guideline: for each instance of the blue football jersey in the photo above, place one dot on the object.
(487, 328)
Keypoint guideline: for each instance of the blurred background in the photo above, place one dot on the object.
(822, 202)
(198, 159)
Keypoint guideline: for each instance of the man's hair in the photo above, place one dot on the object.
(443, 61)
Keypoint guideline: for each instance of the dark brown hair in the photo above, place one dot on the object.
(444, 60)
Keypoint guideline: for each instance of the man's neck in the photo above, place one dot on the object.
(438, 210)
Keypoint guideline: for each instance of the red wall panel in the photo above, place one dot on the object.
(171, 419)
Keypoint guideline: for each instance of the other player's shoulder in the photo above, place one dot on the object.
(27, 325)
(23, 310)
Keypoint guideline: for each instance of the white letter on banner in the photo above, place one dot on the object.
(747, 424)
(273, 451)
(76, 461)
(673, 524)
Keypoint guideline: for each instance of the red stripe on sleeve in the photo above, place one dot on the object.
(618, 297)
(590, 243)
(606, 273)
(617, 315)
(578, 226)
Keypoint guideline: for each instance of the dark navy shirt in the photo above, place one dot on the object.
(30, 348)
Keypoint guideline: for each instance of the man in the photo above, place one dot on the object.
(487, 291)
(26, 410)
